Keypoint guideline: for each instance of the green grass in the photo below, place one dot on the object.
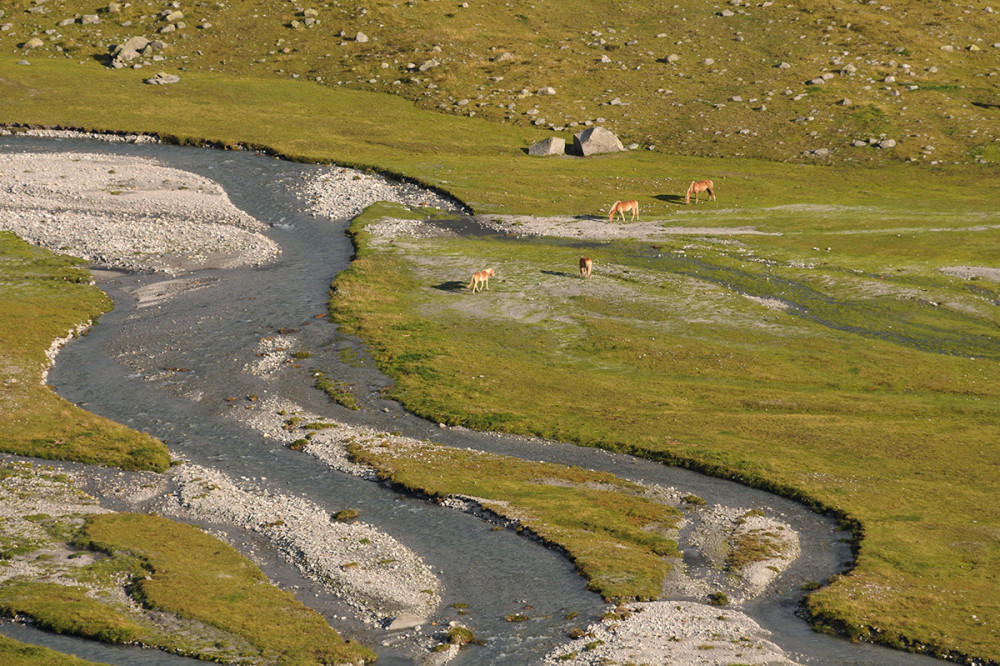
(193, 575)
(611, 532)
(14, 653)
(482, 163)
(861, 395)
(53, 292)
(68, 610)
(682, 107)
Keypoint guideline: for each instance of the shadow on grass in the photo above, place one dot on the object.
(671, 198)
(451, 285)
(560, 274)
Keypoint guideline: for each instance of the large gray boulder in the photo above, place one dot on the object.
(596, 140)
(128, 51)
(554, 145)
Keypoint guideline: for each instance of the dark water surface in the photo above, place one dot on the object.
(214, 330)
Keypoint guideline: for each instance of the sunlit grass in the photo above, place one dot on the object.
(852, 391)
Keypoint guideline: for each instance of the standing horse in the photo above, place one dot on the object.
(585, 266)
(623, 207)
(700, 186)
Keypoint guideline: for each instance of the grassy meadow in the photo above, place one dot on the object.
(844, 360)
(859, 381)
(54, 294)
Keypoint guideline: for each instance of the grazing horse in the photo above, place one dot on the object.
(623, 207)
(585, 267)
(479, 279)
(700, 186)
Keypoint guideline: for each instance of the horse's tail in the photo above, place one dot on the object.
(471, 282)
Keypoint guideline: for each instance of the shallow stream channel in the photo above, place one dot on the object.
(193, 393)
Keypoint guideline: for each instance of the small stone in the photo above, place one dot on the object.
(673, 57)
(90, 19)
(784, 65)
(727, 13)
(605, 59)
(887, 143)
(708, 62)
(546, 90)
(361, 38)
(844, 102)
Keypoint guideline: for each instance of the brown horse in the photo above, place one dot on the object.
(585, 267)
(700, 186)
(479, 279)
(623, 207)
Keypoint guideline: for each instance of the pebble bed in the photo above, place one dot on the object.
(126, 213)
(671, 632)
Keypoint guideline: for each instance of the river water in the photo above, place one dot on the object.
(213, 330)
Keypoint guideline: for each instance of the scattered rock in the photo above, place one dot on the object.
(428, 64)
(361, 38)
(406, 621)
(90, 19)
(673, 57)
(554, 145)
(708, 62)
(33, 43)
(162, 78)
(887, 143)
(596, 140)
(784, 65)
(546, 90)
(844, 101)
(128, 51)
